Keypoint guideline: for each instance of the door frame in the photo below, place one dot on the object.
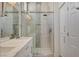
(67, 4)
(60, 6)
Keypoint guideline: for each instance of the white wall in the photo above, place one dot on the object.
(56, 30)
(56, 34)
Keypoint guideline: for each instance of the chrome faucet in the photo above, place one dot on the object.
(14, 36)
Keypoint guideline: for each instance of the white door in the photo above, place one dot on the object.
(72, 49)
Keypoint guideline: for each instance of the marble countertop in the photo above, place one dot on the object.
(11, 47)
(4, 39)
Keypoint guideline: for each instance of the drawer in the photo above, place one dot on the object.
(22, 53)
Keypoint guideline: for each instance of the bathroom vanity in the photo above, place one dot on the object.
(20, 47)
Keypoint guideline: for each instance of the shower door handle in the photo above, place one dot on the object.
(77, 8)
(67, 33)
(64, 39)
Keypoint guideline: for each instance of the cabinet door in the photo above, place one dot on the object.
(25, 51)
(22, 53)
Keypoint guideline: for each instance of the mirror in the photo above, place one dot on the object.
(9, 22)
(15, 22)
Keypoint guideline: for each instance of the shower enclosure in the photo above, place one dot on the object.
(40, 27)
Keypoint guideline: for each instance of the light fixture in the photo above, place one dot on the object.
(13, 4)
(25, 6)
(28, 16)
